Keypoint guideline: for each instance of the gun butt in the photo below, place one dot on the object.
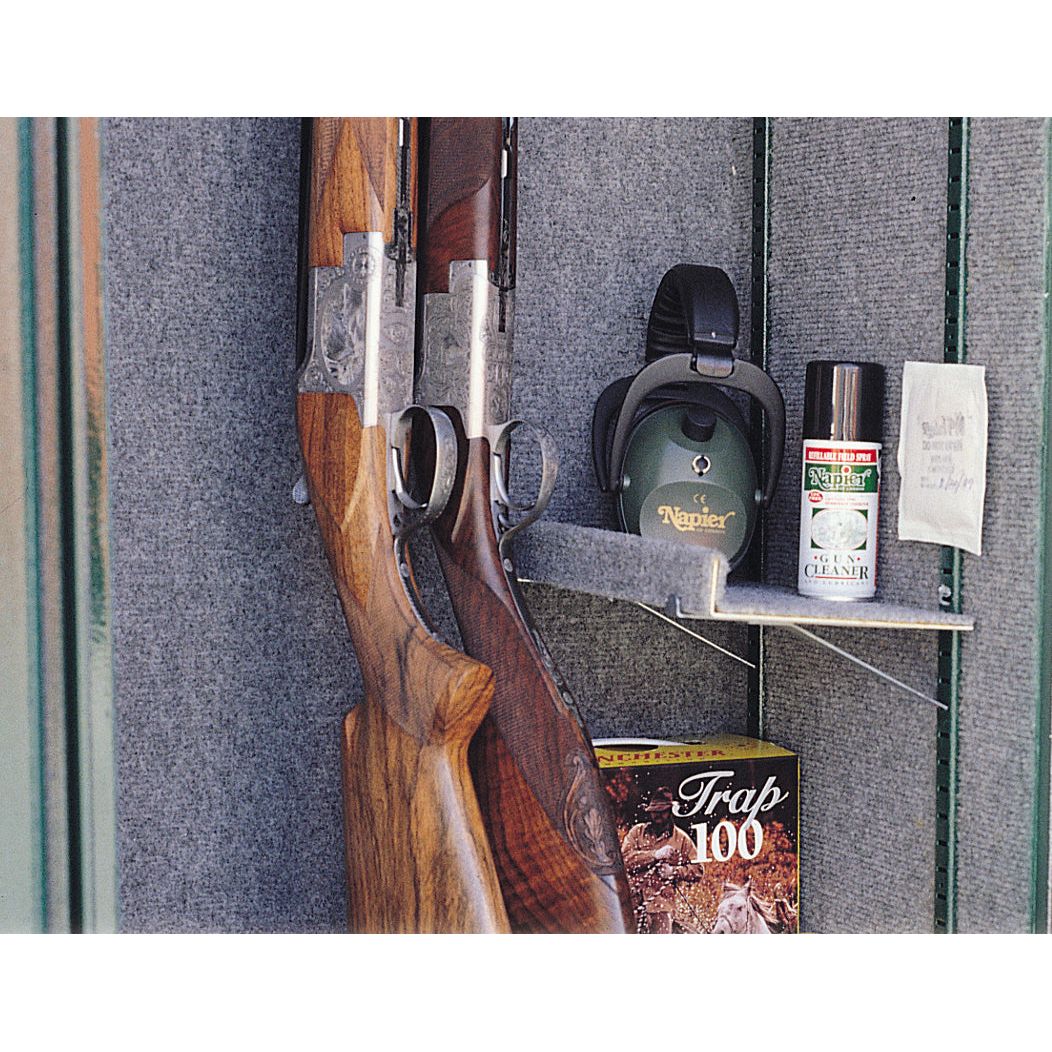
(417, 854)
(549, 820)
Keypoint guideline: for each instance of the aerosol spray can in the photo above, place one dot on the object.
(840, 496)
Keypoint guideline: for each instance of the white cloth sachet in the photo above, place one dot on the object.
(942, 454)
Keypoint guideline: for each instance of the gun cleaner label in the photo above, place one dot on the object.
(838, 519)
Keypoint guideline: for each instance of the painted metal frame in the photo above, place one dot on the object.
(1040, 893)
(950, 591)
(66, 735)
(758, 337)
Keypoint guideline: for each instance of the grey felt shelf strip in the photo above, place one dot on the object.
(691, 582)
(620, 566)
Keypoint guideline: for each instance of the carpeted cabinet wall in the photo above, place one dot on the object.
(232, 666)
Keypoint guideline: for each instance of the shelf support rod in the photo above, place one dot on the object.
(812, 637)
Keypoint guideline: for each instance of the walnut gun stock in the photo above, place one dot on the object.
(418, 859)
(547, 815)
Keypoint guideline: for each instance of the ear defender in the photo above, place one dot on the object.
(673, 447)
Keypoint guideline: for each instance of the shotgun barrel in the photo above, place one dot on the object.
(549, 820)
(418, 859)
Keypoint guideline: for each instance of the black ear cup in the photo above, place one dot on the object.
(607, 406)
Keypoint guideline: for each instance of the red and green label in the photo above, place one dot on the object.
(841, 478)
(838, 519)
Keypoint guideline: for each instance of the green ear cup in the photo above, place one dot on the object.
(696, 492)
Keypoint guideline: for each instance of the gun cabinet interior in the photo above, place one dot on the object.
(231, 663)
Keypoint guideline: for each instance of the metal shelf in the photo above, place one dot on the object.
(691, 582)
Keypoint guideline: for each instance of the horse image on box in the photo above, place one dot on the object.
(708, 833)
(741, 912)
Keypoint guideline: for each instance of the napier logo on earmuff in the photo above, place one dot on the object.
(674, 448)
(692, 521)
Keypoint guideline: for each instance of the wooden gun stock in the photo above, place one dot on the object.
(549, 820)
(461, 209)
(547, 815)
(418, 859)
(353, 182)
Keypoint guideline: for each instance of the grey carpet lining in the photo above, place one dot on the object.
(856, 271)
(1000, 674)
(232, 665)
(605, 207)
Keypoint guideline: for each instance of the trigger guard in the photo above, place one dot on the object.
(417, 513)
(532, 510)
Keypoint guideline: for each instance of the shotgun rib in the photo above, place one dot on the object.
(548, 818)
(418, 859)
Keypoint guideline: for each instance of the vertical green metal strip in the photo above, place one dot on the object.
(29, 423)
(49, 576)
(68, 519)
(761, 177)
(90, 691)
(1039, 882)
(32, 506)
(948, 687)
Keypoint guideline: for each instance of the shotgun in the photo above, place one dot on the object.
(417, 855)
(549, 820)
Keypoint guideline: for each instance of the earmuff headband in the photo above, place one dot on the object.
(695, 309)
